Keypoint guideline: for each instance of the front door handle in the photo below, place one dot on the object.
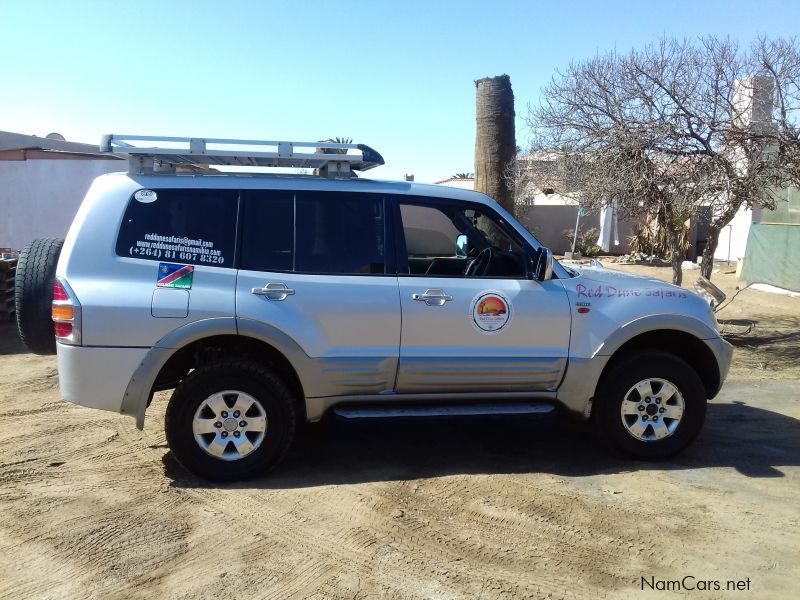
(432, 297)
(273, 291)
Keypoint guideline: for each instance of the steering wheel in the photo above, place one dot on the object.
(480, 264)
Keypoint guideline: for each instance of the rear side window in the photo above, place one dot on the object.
(335, 233)
(268, 231)
(188, 226)
(339, 233)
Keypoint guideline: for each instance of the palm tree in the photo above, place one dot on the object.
(495, 140)
(463, 175)
(336, 140)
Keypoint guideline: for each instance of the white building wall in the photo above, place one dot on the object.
(464, 184)
(542, 199)
(39, 198)
(733, 237)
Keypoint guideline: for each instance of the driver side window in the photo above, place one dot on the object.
(457, 240)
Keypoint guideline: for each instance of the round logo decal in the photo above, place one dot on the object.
(146, 196)
(490, 312)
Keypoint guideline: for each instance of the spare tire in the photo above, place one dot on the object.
(33, 294)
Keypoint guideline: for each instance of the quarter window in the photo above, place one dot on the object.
(186, 226)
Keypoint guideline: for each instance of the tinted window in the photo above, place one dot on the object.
(268, 232)
(314, 232)
(339, 233)
(185, 226)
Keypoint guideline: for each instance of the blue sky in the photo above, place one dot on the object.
(397, 76)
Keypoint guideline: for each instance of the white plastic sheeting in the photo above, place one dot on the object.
(609, 228)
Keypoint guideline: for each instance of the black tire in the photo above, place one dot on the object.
(609, 424)
(33, 294)
(240, 375)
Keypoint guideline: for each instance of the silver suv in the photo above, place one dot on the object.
(268, 299)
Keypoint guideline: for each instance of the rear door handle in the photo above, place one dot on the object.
(432, 297)
(273, 291)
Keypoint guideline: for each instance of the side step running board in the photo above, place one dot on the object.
(443, 410)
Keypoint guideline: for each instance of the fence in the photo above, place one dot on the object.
(549, 221)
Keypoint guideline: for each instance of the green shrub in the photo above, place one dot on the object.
(586, 241)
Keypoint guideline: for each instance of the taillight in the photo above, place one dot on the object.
(63, 330)
(59, 293)
(66, 314)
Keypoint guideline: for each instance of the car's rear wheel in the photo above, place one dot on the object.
(230, 420)
(33, 294)
(650, 406)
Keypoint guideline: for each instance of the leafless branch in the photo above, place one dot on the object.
(671, 128)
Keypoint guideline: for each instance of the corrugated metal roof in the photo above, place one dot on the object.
(19, 141)
(465, 183)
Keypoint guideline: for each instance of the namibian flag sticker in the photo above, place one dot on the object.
(175, 276)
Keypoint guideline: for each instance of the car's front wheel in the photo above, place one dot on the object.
(230, 420)
(650, 406)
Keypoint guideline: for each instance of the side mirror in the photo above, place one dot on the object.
(543, 264)
(462, 246)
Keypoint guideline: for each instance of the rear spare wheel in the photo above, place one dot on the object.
(33, 294)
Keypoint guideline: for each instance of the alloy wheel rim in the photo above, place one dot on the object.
(652, 409)
(229, 425)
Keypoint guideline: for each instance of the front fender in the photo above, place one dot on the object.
(584, 372)
(673, 322)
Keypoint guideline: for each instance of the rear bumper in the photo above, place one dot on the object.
(97, 377)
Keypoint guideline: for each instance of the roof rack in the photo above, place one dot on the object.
(164, 154)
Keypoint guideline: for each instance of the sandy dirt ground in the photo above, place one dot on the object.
(456, 508)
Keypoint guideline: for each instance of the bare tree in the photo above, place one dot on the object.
(673, 127)
(495, 139)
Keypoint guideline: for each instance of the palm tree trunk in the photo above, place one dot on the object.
(495, 139)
